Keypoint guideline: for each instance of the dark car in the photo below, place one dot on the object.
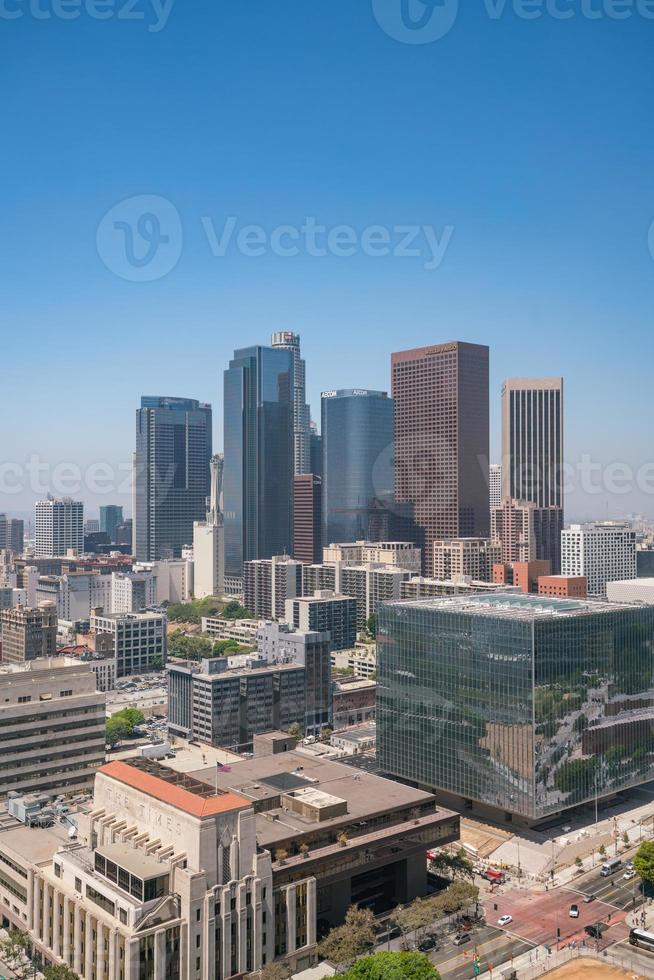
(427, 944)
(462, 938)
(595, 932)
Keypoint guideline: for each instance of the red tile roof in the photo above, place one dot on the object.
(176, 796)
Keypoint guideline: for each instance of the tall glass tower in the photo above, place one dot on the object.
(357, 454)
(285, 340)
(171, 474)
(259, 458)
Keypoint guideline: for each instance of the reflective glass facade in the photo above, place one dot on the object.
(171, 474)
(357, 462)
(258, 441)
(523, 703)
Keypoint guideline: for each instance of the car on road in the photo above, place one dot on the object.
(427, 944)
(595, 932)
(566, 829)
(629, 874)
(463, 937)
(574, 912)
(589, 898)
(504, 920)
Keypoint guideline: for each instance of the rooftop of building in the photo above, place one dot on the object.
(40, 664)
(225, 670)
(196, 797)
(511, 605)
(354, 683)
(358, 735)
(263, 779)
(119, 617)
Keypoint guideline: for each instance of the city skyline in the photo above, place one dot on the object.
(116, 487)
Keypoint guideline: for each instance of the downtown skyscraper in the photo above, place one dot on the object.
(357, 453)
(171, 474)
(286, 340)
(532, 455)
(441, 442)
(259, 457)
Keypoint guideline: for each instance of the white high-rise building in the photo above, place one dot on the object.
(495, 484)
(603, 552)
(288, 340)
(209, 541)
(133, 591)
(59, 527)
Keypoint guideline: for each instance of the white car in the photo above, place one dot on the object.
(504, 920)
(574, 912)
(629, 874)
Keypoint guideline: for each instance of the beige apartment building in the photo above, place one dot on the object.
(29, 633)
(470, 557)
(52, 722)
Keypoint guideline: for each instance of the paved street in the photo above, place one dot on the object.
(493, 946)
(541, 917)
(613, 890)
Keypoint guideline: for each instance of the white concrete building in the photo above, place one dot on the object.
(603, 552)
(59, 527)
(631, 590)
(208, 559)
(174, 579)
(495, 484)
(133, 591)
(166, 880)
(140, 640)
(75, 593)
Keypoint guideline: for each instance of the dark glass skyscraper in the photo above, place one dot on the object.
(532, 455)
(171, 474)
(111, 517)
(357, 462)
(257, 483)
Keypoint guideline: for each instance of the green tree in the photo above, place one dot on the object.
(416, 917)
(277, 970)
(189, 647)
(234, 610)
(346, 943)
(294, 730)
(132, 716)
(59, 972)
(393, 966)
(116, 729)
(14, 947)
(602, 851)
(457, 897)
(644, 861)
(371, 625)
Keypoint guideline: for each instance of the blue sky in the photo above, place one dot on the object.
(528, 143)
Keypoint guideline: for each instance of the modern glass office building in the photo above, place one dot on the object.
(111, 517)
(259, 456)
(171, 474)
(520, 704)
(357, 462)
